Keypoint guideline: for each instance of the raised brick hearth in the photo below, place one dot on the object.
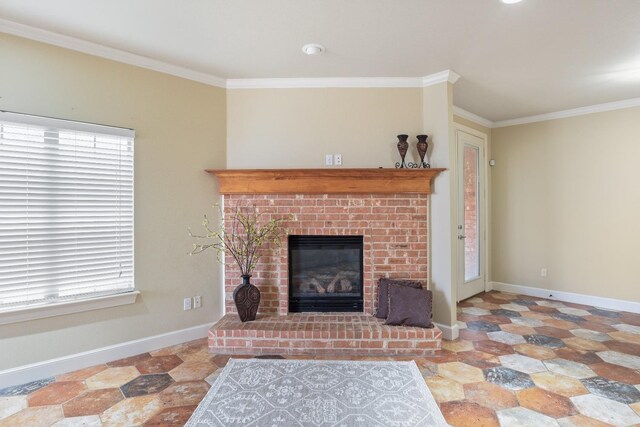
(394, 228)
(321, 334)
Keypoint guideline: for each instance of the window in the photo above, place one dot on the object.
(66, 211)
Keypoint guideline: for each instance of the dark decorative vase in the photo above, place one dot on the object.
(403, 146)
(422, 150)
(247, 299)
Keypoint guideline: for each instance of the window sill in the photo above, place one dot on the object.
(59, 309)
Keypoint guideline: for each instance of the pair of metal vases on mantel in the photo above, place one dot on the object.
(403, 147)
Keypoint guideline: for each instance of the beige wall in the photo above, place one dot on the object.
(180, 130)
(566, 197)
(438, 121)
(295, 128)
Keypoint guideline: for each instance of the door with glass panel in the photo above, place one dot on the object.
(471, 235)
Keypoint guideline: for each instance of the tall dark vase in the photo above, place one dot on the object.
(403, 146)
(247, 299)
(422, 150)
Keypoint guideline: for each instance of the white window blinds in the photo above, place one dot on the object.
(66, 210)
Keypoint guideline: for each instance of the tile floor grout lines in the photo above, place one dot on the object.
(519, 360)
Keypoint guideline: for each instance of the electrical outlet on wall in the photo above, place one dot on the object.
(337, 159)
(328, 159)
(543, 272)
(197, 301)
(186, 304)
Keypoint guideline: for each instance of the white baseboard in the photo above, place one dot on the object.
(609, 303)
(61, 365)
(449, 333)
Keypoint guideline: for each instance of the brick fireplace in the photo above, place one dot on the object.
(393, 225)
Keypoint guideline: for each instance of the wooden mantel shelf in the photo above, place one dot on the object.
(325, 181)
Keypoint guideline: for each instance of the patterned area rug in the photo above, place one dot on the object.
(259, 392)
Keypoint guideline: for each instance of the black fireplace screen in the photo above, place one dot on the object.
(325, 273)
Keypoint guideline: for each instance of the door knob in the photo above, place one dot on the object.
(461, 237)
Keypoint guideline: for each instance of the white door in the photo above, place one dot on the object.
(471, 235)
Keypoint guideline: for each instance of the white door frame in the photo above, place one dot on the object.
(484, 208)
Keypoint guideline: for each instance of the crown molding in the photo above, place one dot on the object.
(460, 112)
(106, 52)
(95, 49)
(325, 82)
(345, 82)
(440, 77)
(598, 108)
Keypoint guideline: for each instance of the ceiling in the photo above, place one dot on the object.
(530, 58)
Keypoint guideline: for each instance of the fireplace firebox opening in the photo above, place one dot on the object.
(325, 273)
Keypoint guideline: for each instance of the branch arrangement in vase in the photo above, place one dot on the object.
(244, 238)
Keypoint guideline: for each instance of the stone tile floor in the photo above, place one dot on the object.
(520, 361)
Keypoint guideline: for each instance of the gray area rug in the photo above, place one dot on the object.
(274, 393)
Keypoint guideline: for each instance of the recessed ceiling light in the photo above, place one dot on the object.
(511, 1)
(313, 49)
